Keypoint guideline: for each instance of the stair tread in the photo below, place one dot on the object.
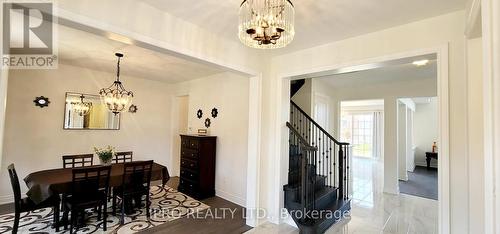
(334, 206)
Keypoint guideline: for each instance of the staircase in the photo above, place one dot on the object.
(318, 175)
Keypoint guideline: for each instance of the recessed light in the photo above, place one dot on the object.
(420, 63)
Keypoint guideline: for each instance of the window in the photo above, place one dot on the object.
(357, 129)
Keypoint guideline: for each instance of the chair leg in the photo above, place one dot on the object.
(56, 217)
(114, 204)
(99, 212)
(65, 218)
(122, 219)
(74, 219)
(105, 216)
(17, 216)
(148, 205)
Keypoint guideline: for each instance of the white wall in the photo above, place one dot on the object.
(36, 135)
(426, 131)
(303, 98)
(228, 93)
(402, 122)
(180, 113)
(322, 88)
(429, 33)
(475, 134)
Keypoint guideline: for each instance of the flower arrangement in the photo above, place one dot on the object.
(105, 154)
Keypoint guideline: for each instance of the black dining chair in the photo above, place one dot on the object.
(89, 189)
(123, 157)
(22, 205)
(135, 184)
(78, 160)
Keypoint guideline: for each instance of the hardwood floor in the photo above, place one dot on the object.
(205, 222)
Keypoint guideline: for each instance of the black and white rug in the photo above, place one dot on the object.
(167, 204)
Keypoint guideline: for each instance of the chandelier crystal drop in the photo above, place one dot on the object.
(82, 108)
(116, 97)
(266, 24)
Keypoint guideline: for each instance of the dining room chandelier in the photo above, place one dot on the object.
(266, 24)
(116, 97)
(81, 107)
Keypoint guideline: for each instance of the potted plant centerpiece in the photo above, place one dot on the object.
(105, 154)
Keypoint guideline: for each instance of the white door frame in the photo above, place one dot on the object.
(442, 79)
(490, 12)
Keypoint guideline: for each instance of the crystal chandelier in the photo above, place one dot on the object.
(116, 97)
(82, 108)
(266, 24)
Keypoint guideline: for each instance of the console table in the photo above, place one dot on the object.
(429, 156)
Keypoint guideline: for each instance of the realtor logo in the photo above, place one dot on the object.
(28, 35)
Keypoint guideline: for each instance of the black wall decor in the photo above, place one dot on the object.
(199, 114)
(207, 123)
(132, 109)
(215, 112)
(41, 101)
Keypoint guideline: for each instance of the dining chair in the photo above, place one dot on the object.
(135, 184)
(22, 205)
(89, 189)
(79, 160)
(123, 157)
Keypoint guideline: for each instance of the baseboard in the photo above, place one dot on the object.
(230, 197)
(6, 199)
(433, 165)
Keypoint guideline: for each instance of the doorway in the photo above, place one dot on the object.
(180, 118)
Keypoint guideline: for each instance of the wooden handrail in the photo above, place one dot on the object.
(306, 145)
(317, 125)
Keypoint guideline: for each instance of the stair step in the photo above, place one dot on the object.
(338, 207)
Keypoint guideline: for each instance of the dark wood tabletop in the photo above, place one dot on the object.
(44, 184)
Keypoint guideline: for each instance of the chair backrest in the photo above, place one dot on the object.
(90, 180)
(14, 180)
(123, 157)
(80, 160)
(137, 174)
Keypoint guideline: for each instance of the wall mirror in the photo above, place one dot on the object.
(85, 111)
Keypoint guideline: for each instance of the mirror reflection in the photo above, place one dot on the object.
(85, 111)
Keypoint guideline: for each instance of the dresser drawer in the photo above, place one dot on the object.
(187, 186)
(185, 163)
(184, 142)
(194, 143)
(187, 174)
(189, 153)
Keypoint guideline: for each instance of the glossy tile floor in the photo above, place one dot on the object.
(374, 211)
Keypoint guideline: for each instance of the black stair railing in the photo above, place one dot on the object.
(302, 168)
(331, 158)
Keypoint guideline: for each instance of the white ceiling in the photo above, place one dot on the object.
(386, 74)
(317, 21)
(96, 52)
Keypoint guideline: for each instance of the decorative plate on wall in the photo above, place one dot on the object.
(41, 101)
(207, 123)
(215, 112)
(132, 109)
(199, 114)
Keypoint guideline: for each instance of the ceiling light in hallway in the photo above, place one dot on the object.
(266, 24)
(420, 63)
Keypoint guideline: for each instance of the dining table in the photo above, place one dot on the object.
(44, 184)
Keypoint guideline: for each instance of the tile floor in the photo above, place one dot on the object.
(376, 212)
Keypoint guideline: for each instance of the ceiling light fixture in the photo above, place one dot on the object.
(420, 63)
(116, 97)
(266, 24)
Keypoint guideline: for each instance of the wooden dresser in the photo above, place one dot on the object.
(197, 166)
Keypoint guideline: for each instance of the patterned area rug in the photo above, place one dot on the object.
(167, 204)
